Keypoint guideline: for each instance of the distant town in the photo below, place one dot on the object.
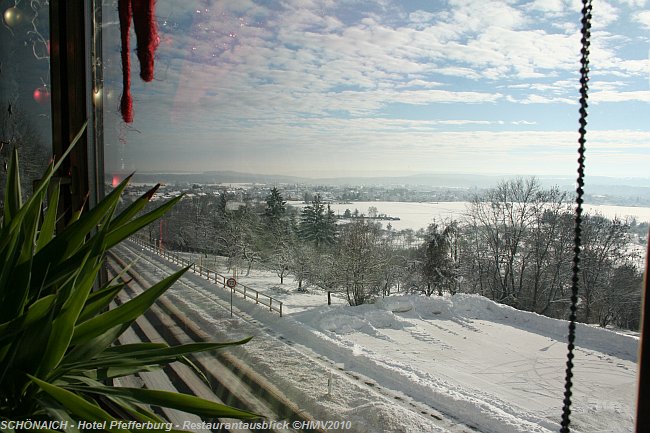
(242, 187)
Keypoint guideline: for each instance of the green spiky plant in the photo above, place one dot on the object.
(57, 334)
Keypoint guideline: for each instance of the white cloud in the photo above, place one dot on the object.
(634, 3)
(612, 96)
(603, 14)
(421, 83)
(643, 18)
(611, 86)
(541, 99)
(477, 15)
(549, 6)
(421, 16)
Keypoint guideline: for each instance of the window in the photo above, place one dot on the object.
(368, 119)
(25, 89)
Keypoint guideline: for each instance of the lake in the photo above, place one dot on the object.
(420, 215)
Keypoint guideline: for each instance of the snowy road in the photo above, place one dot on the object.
(410, 364)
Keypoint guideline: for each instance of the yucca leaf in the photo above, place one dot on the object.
(20, 278)
(72, 237)
(133, 209)
(10, 256)
(125, 313)
(137, 411)
(147, 354)
(56, 276)
(13, 194)
(64, 324)
(134, 409)
(91, 348)
(182, 402)
(118, 234)
(76, 405)
(35, 312)
(98, 300)
(49, 222)
(76, 215)
(101, 298)
(28, 350)
(136, 349)
(142, 414)
(32, 202)
(17, 279)
(115, 372)
(133, 348)
(56, 411)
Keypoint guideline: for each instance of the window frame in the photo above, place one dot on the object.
(73, 49)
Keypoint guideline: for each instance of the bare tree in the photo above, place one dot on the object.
(604, 249)
(360, 261)
(17, 131)
(502, 217)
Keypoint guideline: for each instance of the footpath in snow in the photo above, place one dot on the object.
(411, 363)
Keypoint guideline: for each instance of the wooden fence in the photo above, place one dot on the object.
(219, 280)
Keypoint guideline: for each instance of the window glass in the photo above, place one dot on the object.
(25, 87)
(378, 156)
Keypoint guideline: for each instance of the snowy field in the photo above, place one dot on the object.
(416, 364)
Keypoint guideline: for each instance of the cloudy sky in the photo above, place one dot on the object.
(375, 87)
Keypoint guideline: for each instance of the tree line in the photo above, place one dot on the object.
(514, 245)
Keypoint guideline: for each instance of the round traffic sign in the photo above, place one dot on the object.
(231, 282)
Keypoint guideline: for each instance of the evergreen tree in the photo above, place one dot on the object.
(275, 206)
(318, 223)
(438, 269)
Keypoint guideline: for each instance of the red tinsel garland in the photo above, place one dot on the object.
(144, 23)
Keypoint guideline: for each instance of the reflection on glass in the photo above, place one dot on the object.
(377, 155)
(24, 87)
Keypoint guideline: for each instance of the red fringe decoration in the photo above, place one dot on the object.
(126, 103)
(144, 24)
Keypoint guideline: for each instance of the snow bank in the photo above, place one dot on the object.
(390, 312)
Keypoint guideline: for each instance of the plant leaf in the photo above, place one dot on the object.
(133, 209)
(49, 222)
(78, 406)
(183, 402)
(33, 201)
(120, 233)
(89, 349)
(64, 324)
(13, 194)
(73, 236)
(98, 300)
(148, 354)
(125, 313)
(36, 311)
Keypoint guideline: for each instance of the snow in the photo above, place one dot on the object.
(415, 364)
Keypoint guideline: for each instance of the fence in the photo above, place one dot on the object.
(219, 280)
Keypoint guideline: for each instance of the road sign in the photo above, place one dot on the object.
(231, 282)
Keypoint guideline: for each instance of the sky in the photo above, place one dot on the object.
(329, 88)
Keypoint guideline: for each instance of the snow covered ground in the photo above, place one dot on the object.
(414, 364)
